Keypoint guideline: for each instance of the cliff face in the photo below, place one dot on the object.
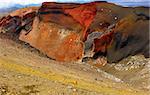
(69, 32)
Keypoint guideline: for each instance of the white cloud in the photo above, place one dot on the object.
(135, 0)
(24, 2)
(7, 3)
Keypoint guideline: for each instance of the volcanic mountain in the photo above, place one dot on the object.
(72, 31)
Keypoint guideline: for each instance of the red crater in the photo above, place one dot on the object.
(67, 31)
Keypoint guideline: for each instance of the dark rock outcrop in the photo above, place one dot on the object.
(17, 23)
(10, 24)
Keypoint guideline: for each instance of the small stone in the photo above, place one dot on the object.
(69, 87)
(102, 9)
(84, 69)
(98, 70)
(5, 55)
(116, 18)
(19, 76)
(92, 67)
(74, 90)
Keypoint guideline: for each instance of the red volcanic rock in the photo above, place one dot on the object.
(4, 19)
(70, 31)
(103, 42)
(27, 21)
(10, 23)
(84, 15)
(58, 43)
(54, 13)
(16, 23)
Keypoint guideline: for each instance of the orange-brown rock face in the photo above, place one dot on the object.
(57, 42)
(70, 31)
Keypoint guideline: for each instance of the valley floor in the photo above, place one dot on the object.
(25, 71)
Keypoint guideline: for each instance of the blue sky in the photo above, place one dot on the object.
(7, 3)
